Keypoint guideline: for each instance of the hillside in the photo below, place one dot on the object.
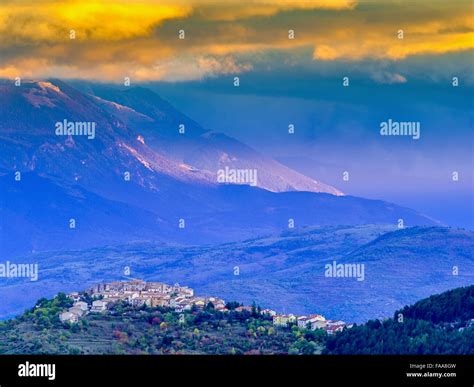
(440, 324)
(285, 272)
(143, 330)
(130, 330)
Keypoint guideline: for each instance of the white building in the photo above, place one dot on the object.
(313, 321)
(77, 311)
(74, 296)
(81, 305)
(302, 321)
(68, 317)
(283, 319)
(99, 306)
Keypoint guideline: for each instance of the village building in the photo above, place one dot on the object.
(74, 296)
(283, 319)
(318, 324)
(140, 301)
(186, 292)
(160, 300)
(157, 287)
(200, 302)
(182, 306)
(268, 312)
(244, 308)
(139, 293)
(68, 317)
(302, 321)
(99, 306)
(335, 323)
(313, 321)
(77, 311)
(331, 330)
(112, 300)
(81, 305)
(220, 308)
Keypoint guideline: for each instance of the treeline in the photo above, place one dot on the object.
(440, 324)
(417, 337)
(451, 306)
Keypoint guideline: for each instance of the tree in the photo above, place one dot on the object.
(232, 305)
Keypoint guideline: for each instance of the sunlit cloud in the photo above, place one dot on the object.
(117, 38)
(52, 21)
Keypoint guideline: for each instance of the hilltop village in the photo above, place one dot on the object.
(179, 298)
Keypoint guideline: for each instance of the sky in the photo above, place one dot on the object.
(337, 130)
(114, 39)
(400, 58)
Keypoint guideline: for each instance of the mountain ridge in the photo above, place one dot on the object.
(54, 100)
(147, 165)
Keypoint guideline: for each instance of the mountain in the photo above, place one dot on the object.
(201, 149)
(141, 137)
(36, 214)
(43, 207)
(137, 177)
(284, 272)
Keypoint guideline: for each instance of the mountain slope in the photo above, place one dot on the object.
(158, 123)
(35, 215)
(440, 324)
(139, 159)
(136, 129)
(285, 272)
(228, 213)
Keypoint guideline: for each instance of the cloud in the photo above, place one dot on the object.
(232, 10)
(192, 68)
(118, 38)
(388, 78)
(324, 52)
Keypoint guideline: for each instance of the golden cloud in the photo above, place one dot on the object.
(52, 21)
(118, 38)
